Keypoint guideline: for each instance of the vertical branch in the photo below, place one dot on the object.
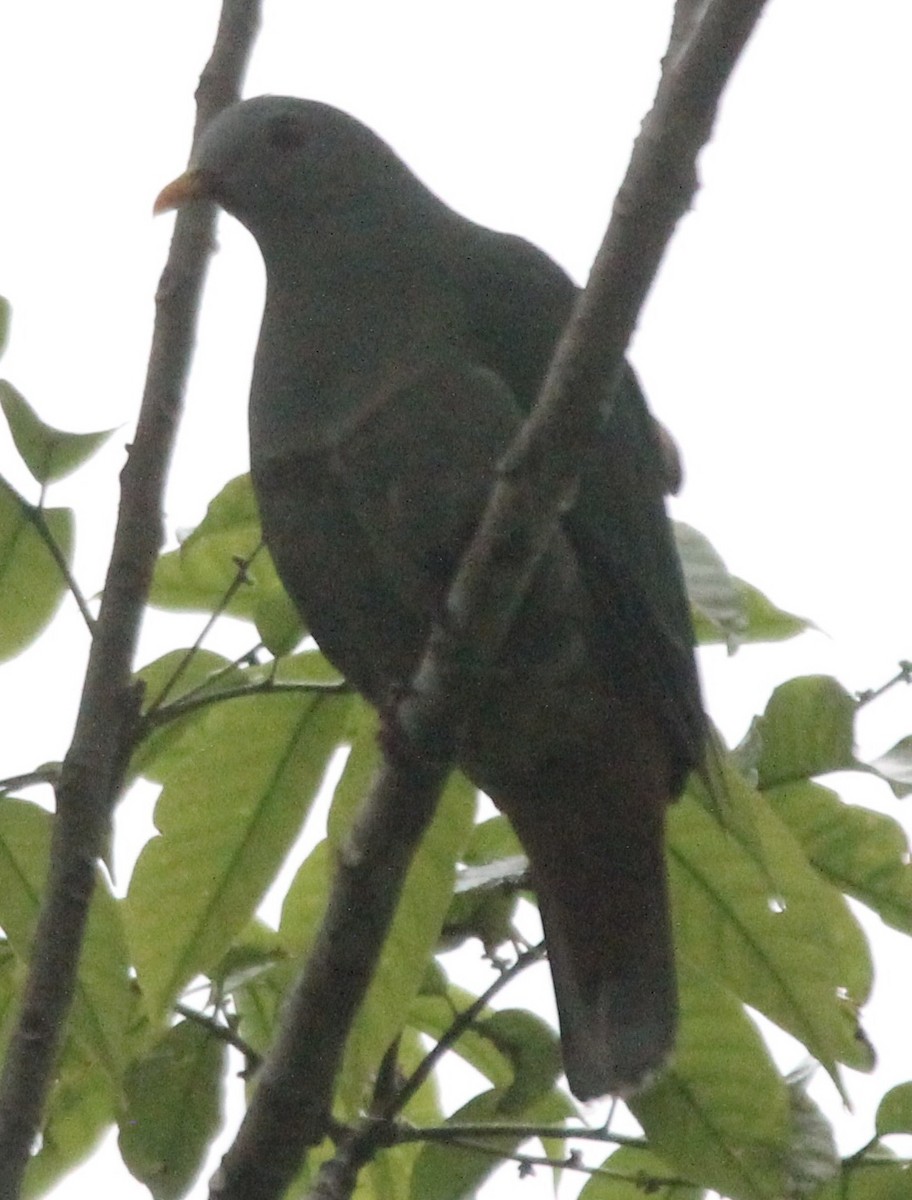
(93, 770)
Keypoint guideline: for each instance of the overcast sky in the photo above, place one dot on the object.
(774, 345)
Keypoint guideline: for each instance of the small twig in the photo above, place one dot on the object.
(445, 1133)
(231, 591)
(50, 773)
(904, 675)
(460, 1025)
(267, 687)
(35, 514)
(223, 1033)
(573, 1162)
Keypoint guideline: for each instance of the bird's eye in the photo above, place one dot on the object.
(285, 133)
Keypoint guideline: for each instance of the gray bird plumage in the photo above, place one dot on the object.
(400, 347)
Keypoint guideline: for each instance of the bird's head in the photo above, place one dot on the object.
(275, 158)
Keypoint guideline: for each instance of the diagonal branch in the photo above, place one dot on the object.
(289, 1109)
(93, 771)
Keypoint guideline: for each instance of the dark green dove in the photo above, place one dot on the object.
(400, 348)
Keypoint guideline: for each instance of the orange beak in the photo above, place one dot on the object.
(192, 185)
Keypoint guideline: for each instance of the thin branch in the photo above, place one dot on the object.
(462, 1023)
(528, 1162)
(231, 591)
(903, 675)
(49, 773)
(35, 514)
(289, 1110)
(222, 1033)
(268, 687)
(446, 1133)
(94, 767)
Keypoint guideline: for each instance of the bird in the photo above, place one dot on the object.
(401, 347)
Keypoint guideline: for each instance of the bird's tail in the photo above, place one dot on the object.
(599, 872)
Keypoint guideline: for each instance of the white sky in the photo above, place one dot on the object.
(775, 344)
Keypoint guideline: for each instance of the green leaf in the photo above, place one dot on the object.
(6, 313)
(173, 1103)
(238, 783)
(812, 1157)
(80, 1108)
(50, 454)
(31, 583)
(434, 1015)
(448, 1172)
(783, 939)
(533, 1051)
(418, 919)
(710, 588)
(807, 729)
(634, 1174)
(894, 1114)
(484, 902)
(198, 575)
(719, 1113)
(873, 1178)
(411, 941)
(101, 1003)
(896, 767)
(725, 608)
(491, 840)
(861, 851)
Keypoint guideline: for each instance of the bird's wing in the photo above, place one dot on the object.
(518, 301)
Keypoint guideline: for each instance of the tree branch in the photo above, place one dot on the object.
(460, 1025)
(268, 687)
(94, 766)
(289, 1109)
(35, 514)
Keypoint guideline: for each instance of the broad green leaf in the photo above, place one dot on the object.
(896, 767)
(861, 851)
(50, 454)
(419, 915)
(531, 1047)
(711, 590)
(634, 1174)
(780, 937)
(491, 840)
(453, 1172)
(31, 583)
(388, 1175)
(81, 1108)
(765, 621)
(484, 902)
(6, 313)
(173, 1109)
(812, 1158)
(874, 1177)
(10, 983)
(410, 942)
(720, 1111)
(205, 569)
(435, 1014)
(725, 608)
(101, 1003)
(237, 785)
(894, 1113)
(807, 729)
(167, 684)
